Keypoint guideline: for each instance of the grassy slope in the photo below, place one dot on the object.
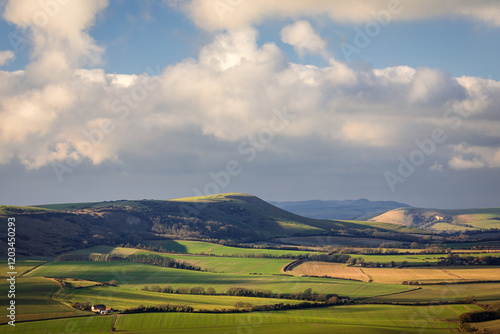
(90, 325)
(65, 227)
(319, 241)
(21, 267)
(194, 247)
(477, 218)
(138, 275)
(234, 265)
(340, 319)
(34, 299)
(123, 297)
(242, 210)
(6, 210)
(485, 292)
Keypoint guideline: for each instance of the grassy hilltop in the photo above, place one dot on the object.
(52, 229)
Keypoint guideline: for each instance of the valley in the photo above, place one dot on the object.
(267, 268)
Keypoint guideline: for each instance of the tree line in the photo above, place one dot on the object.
(153, 259)
(490, 312)
(307, 294)
(454, 259)
(239, 307)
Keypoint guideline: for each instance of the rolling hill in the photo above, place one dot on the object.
(349, 209)
(443, 220)
(54, 229)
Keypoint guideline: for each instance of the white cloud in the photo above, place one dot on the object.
(437, 167)
(303, 38)
(366, 133)
(401, 74)
(60, 34)
(429, 85)
(35, 104)
(220, 14)
(6, 56)
(207, 106)
(475, 157)
(458, 162)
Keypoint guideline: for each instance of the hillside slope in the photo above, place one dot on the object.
(443, 220)
(348, 209)
(52, 229)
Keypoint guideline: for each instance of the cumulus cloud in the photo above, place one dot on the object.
(303, 38)
(6, 56)
(472, 157)
(221, 14)
(459, 162)
(430, 85)
(36, 101)
(59, 33)
(197, 110)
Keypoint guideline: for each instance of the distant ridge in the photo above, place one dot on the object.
(443, 220)
(360, 209)
(57, 228)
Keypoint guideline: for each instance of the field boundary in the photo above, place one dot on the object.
(291, 265)
(113, 326)
(30, 270)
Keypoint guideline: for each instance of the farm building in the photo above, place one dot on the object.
(100, 309)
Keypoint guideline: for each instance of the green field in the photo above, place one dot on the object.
(375, 298)
(189, 247)
(21, 267)
(321, 241)
(223, 260)
(484, 292)
(78, 206)
(138, 275)
(415, 259)
(200, 247)
(122, 298)
(34, 299)
(12, 209)
(236, 251)
(339, 319)
(90, 325)
(451, 227)
(235, 265)
(195, 248)
(220, 264)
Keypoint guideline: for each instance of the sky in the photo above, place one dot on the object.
(287, 100)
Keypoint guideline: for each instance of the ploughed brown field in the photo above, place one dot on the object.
(397, 275)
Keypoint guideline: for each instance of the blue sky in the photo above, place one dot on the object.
(155, 99)
(140, 33)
